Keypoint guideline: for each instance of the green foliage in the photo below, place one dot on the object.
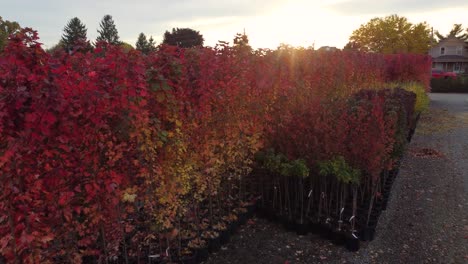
(339, 168)
(183, 37)
(144, 45)
(274, 162)
(422, 99)
(56, 47)
(352, 46)
(279, 163)
(126, 46)
(299, 168)
(392, 34)
(108, 32)
(6, 29)
(458, 85)
(74, 33)
(456, 31)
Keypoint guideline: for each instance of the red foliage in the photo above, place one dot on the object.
(78, 131)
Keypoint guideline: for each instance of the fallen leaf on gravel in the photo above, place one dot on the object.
(425, 153)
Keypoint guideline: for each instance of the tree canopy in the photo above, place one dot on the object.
(183, 37)
(144, 45)
(126, 46)
(6, 29)
(241, 43)
(352, 46)
(74, 34)
(108, 32)
(392, 34)
(456, 31)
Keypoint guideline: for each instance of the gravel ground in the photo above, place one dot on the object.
(427, 216)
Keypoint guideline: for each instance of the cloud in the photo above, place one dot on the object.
(386, 7)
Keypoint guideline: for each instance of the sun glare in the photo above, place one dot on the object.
(297, 23)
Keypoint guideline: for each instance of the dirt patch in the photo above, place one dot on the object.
(425, 153)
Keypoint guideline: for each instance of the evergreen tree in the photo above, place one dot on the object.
(142, 43)
(74, 34)
(456, 31)
(183, 37)
(241, 43)
(108, 32)
(151, 44)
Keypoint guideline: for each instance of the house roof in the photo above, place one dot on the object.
(450, 58)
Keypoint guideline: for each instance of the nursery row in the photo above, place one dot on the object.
(335, 195)
(117, 156)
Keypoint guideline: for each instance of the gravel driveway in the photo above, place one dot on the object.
(427, 216)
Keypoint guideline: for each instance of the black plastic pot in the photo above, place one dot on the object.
(302, 228)
(154, 259)
(288, 224)
(214, 244)
(90, 259)
(188, 259)
(202, 254)
(326, 231)
(352, 243)
(375, 215)
(251, 209)
(339, 237)
(271, 215)
(233, 227)
(314, 226)
(224, 236)
(367, 233)
(261, 211)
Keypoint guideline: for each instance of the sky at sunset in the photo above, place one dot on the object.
(267, 23)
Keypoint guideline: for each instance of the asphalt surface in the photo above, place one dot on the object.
(426, 220)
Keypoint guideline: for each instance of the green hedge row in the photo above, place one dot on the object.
(458, 85)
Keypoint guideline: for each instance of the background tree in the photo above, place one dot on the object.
(456, 31)
(241, 40)
(59, 46)
(392, 34)
(151, 44)
(241, 43)
(74, 34)
(126, 46)
(352, 46)
(108, 32)
(6, 29)
(144, 45)
(183, 37)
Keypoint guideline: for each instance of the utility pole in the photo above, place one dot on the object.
(430, 50)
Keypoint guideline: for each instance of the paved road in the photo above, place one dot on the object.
(427, 217)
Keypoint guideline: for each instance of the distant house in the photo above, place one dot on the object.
(450, 54)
